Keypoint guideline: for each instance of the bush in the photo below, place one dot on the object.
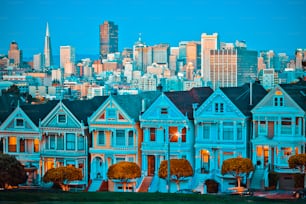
(273, 178)
(212, 186)
(299, 180)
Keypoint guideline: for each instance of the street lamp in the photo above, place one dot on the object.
(168, 162)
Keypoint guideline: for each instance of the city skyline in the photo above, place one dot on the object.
(264, 25)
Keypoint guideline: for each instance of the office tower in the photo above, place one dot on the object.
(268, 58)
(48, 60)
(174, 53)
(247, 63)
(67, 54)
(14, 54)
(138, 54)
(193, 54)
(189, 71)
(108, 38)
(223, 68)
(37, 61)
(208, 43)
(67, 59)
(182, 52)
(298, 58)
(161, 53)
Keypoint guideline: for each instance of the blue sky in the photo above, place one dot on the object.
(277, 25)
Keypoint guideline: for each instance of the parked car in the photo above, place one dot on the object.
(188, 191)
(300, 193)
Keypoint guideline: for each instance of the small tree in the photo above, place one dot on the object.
(238, 167)
(61, 175)
(298, 161)
(124, 171)
(179, 169)
(11, 171)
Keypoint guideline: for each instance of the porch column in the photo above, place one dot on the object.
(144, 165)
(221, 131)
(17, 144)
(156, 164)
(235, 131)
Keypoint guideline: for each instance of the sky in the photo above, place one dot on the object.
(278, 25)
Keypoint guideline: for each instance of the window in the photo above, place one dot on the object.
(219, 107)
(120, 138)
(101, 138)
(119, 159)
(131, 138)
(164, 111)
(262, 127)
(70, 141)
(111, 114)
(239, 133)
(131, 159)
(206, 131)
(60, 142)
(173, 134)
(183, 134)
(80, 142)
(279, 101)
(228, 133)
(19, 122)
(36, 145)
(52, 141)
(62, 118)
(152, 134)
(12, 144)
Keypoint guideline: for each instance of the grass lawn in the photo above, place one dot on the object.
(25, 197)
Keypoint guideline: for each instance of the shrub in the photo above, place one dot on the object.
(299, 180)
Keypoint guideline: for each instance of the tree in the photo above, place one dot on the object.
(12, 171)
(62, 174)
(238, 167)
(298, 161)
(124, 171)
(179, 169)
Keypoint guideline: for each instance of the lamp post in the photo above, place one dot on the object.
(168, 172)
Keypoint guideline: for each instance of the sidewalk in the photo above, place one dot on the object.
(277, 194)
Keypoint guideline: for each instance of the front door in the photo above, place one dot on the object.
(151, 165)
(266, 155)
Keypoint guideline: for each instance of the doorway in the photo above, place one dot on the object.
(151, 165)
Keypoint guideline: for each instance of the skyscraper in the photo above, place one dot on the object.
(108, 38)
(208, 43)
(14, 54)
(67, 59)
(48, 60)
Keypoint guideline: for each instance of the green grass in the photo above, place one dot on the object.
(25, 197)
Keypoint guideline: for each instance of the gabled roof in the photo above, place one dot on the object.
(297, 92)
(132, 104)
(184, 99)
(82, 109)
(8, 103)
(240, 96)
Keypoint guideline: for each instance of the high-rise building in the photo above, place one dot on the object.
(223, 68)
(37, 61)
(108, 38)
(208, 43)
(14, 54)
(247, 63)
(193, 54)
(48, 59)
(161, 53)
(67, 59)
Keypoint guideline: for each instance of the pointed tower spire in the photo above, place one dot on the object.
(47, 30)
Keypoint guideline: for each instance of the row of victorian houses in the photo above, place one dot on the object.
(203, 126)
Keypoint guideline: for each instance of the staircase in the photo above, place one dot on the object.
(95, 185)
(145, 184)
(257, 182)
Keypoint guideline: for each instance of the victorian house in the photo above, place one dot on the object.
(279, 132)
(222, 131)
(168, 132)
(116, 136)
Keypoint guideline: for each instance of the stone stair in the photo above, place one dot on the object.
(145, 184)
(95, 185)
(257, 182)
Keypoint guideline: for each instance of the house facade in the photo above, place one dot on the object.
(279, 131)
(222, 126)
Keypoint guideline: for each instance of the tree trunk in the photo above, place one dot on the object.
(238, 181)
(177, 185)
